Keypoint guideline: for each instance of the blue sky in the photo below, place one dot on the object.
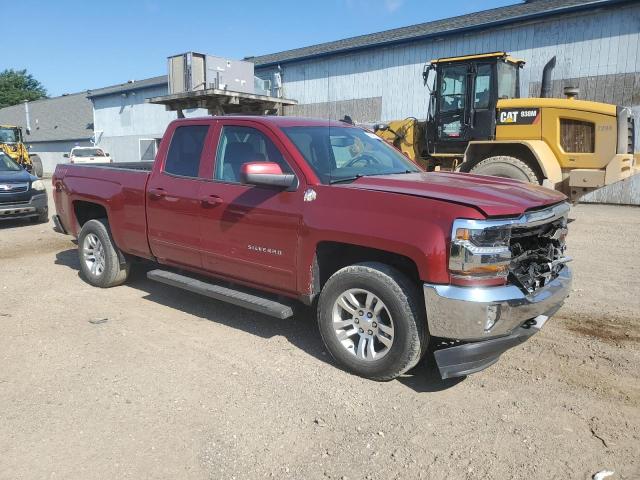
(74, 45)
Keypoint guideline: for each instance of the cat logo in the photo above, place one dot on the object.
(529, 116)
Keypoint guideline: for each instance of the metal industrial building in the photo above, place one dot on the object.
(376, 77)
(57, 125)
(379, 76)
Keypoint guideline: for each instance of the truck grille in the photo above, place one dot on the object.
(626, 131)
(631, 135)
(537, 253)
(25, 202)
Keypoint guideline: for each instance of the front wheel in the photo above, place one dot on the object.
(507, 167)
(101, 263)
(372, 321)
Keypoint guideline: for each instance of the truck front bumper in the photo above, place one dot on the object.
(493, 316)
(35, 206)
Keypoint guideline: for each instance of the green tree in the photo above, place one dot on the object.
(17, 86)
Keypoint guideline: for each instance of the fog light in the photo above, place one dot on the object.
(493, 315)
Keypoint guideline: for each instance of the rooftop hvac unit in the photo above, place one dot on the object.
(196, 71)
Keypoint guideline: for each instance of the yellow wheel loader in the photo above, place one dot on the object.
(12, 144)
(478, 123)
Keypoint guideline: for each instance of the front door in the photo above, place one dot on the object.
(173, 203)
(250, 233)
(451, 109)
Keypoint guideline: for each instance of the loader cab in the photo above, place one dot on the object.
(464, 92)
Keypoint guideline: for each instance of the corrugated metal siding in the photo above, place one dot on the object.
(595, 44)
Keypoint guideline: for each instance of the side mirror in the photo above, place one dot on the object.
(380, 127)
(66, 155)
(107, 154)
(266, 174)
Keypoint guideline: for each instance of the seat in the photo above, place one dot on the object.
(237, 154)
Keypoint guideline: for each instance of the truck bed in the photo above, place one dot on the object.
(143, 166)
(120, 188)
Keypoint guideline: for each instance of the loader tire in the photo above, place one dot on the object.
(506, 167)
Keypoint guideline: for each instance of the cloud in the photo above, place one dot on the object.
(393, 5)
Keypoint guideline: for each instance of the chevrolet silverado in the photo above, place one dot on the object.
(265, 211)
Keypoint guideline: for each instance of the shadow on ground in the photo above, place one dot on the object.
(6, 223)
(301, 331)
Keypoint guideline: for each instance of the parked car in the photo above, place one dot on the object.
(88, 155)
(285, 209)
(22, 195)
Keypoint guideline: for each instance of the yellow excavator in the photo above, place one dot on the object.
(12, 144)
(478, 123)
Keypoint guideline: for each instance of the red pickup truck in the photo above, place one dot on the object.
(265, 211)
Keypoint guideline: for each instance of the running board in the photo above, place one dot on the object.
(239, 298)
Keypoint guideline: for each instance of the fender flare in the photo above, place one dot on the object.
(543, 155)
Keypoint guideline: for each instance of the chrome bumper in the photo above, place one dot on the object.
(468, 313)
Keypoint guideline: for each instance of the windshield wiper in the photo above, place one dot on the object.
(345, 179)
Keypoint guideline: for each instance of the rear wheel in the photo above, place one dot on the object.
(507, 167)
(371, 320)
(101, 263)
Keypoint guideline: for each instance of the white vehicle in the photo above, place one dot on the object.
(88, 155)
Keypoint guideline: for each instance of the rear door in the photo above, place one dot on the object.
(173, 202)
(250, 233)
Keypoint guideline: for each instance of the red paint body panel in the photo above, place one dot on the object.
(495, 197)
(121, 192)
(267, 238)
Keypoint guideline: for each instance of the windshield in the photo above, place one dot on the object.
(9, 135)
(339, 154)
(87, 152)
(8, 165)
(507, 80)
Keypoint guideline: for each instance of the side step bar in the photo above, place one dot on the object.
(240, 298)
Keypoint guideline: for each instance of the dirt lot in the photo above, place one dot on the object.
(172, 385)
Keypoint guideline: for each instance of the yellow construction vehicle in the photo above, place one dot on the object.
(12, 144)
(478, 123)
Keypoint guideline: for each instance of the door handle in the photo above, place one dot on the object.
(210, 201)
(156, 193)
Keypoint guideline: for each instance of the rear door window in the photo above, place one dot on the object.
(185, 150)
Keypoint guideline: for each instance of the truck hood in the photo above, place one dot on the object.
(493, 196)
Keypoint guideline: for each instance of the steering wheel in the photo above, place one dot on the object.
(366, 159)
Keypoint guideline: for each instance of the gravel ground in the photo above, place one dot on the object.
(145, 381)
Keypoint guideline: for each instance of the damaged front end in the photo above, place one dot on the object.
(537, 254)
(480, 321)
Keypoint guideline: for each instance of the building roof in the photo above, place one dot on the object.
(129, 86)
(69, 117)
(473, 21)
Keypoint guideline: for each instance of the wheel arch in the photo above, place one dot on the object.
(331, 256)
(85, 210)
(534, 153)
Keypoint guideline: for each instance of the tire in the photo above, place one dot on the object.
(109, 267)
(42, 217)
(36, 166)
(401, 309)
(507, 167)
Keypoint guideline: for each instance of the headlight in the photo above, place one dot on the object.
(37, 185)
(479, 250)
